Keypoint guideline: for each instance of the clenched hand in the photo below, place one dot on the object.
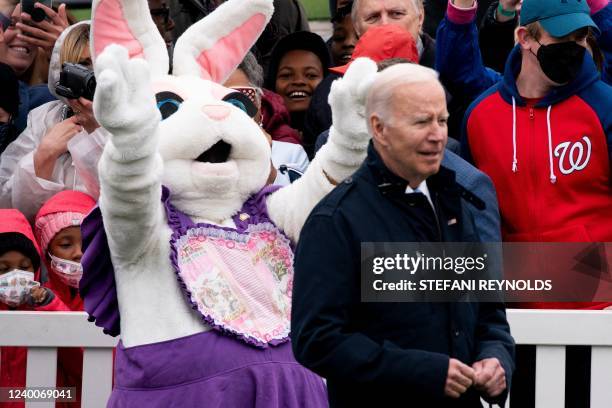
(460, 377)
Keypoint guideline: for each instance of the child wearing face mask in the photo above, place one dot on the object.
(20, 289)
(58, 230)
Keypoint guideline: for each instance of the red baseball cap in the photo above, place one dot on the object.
(383, 42)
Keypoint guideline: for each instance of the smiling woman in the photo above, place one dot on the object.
(15, 51)
(298, 64)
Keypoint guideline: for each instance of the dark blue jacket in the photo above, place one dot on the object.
(30, 97)
(484, 209)
(603, 19)
(476, 182)
(386, 354)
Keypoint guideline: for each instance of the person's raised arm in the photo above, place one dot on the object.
(339, 158)
(130, 168)
(458, 57)
(601, 13)
(496, 34)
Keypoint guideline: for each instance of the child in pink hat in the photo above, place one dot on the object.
(58, 231)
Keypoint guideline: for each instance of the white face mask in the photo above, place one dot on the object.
(15, 286)
(69, 272)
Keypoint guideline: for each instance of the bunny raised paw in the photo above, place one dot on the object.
(124, 101)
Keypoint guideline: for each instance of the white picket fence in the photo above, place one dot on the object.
(549, 330)
(43, 332)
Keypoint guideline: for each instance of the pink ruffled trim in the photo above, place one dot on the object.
(233, 235)
(460, 15)
(180, 224)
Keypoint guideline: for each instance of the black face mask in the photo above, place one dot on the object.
(561, 62)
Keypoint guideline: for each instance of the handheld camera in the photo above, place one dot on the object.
(76, 81)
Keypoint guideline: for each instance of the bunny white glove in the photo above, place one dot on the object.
(124, 103)
(348, 139)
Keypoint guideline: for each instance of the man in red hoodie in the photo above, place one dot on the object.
(20, 290)
(543, 133)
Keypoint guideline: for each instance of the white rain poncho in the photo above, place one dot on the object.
(76, 169)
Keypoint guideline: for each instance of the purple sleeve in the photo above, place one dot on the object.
(97, 287)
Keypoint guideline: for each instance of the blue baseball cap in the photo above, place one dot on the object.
(558, 17)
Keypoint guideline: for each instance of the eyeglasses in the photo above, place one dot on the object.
(162, 13)
(250, 92)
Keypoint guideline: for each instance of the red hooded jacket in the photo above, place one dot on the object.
(64, 201)
(549, 160)
(13, 360)
(276, 119)
(70, 360)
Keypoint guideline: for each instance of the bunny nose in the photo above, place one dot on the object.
(216, 112)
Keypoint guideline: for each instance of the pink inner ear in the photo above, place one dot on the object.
(229, 51)
(111, 28)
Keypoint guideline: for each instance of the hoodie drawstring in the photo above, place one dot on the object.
(553, 178)
(514, 161)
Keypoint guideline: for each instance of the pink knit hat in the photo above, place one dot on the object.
(63, 210)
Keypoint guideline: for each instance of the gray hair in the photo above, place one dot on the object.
(418, 4)
(387, 81)
(252, 70)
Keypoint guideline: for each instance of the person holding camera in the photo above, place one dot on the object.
(60, 147)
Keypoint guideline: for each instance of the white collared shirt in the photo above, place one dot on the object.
(421, 188)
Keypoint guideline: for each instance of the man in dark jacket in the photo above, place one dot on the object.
(395, 354)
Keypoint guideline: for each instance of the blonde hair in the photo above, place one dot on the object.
(534, 30)
(75, 44)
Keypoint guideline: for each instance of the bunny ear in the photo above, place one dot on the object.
(213, 47)
(128, 23)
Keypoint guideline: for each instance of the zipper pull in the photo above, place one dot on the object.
(531, 115)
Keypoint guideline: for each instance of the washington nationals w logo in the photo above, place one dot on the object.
(573, 155)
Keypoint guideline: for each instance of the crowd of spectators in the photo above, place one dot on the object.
(529, 128)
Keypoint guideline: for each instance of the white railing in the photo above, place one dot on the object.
(43, 332)
(549, 330)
